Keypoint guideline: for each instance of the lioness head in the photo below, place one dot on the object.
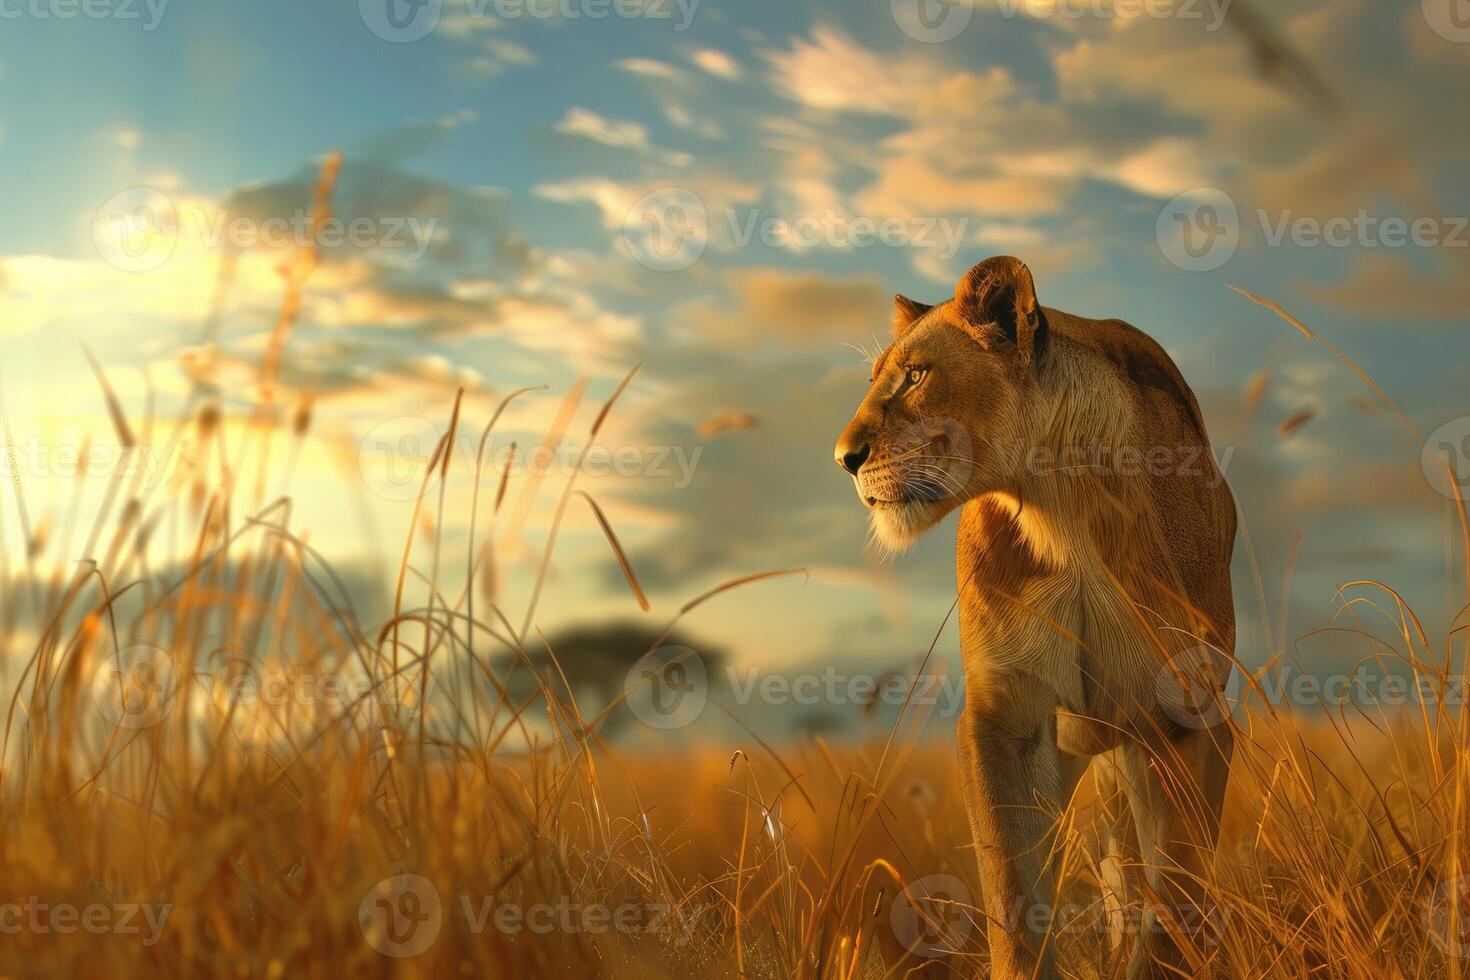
(952, 389)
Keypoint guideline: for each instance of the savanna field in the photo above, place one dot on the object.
(217, 768)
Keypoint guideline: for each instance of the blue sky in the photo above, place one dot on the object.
(526, 142)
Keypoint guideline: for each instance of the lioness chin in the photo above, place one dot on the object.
(1097, 625)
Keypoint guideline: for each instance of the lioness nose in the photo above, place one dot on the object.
(853, 461)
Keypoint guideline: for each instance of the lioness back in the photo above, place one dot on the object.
(1187, 490)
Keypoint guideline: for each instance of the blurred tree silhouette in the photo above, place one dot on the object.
(596, 659)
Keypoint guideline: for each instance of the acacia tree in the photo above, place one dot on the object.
(595, 659)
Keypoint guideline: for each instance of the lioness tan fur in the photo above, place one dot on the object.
(1093, 564)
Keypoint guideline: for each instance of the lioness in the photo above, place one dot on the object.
(1093, 562)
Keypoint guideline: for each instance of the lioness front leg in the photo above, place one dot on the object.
(1009, 769)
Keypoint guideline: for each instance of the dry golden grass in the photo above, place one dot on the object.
(265, 849)
(269, 830)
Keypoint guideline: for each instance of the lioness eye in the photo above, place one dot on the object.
(916, 375)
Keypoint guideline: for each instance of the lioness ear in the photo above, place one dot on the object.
(906, 313)
(1000, 291)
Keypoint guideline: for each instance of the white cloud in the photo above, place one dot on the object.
(971, 142)
(702, 126)
(1159, 168)
(37, 291)
(650, 68)
(466, 24)
(613, 199)
(717, 63)
(497, 55)
(834, 72)
(914, 186)
(672, 88)
(585, 124)
(1163, 168)
(574, 329)
(599, 129)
